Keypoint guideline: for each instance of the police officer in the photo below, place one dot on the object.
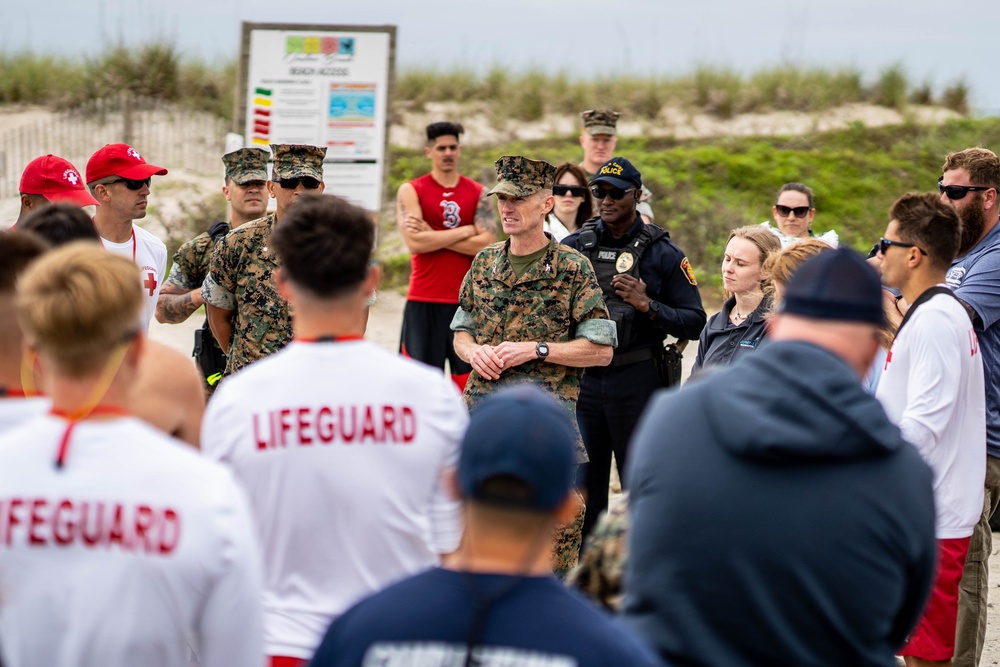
(247, 314)
(651, 293)
(246, 177)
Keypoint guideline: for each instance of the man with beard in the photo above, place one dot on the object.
(970, 181)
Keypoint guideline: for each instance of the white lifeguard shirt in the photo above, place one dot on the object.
(151, 258)
(14, 410)
(933, 389)
(136, 552)
(343, 449)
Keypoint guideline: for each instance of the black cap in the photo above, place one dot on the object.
(618, 172)
(838, 285)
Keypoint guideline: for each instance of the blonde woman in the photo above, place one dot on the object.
(741, 324)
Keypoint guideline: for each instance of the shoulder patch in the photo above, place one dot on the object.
(688, 272)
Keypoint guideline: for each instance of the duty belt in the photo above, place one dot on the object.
(633, 356)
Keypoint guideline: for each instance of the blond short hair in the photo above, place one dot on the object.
(77, 303)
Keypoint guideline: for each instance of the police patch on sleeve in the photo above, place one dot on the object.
(688, 272)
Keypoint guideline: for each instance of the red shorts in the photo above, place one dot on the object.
(934, 636)
(282, 661)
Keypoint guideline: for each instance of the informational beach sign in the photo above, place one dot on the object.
(322, 85)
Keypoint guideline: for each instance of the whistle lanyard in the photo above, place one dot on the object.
(99, 411)
(133, 244)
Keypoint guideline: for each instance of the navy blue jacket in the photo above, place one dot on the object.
(669, 280)
(777, 518)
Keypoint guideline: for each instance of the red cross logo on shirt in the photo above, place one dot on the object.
(149, 283)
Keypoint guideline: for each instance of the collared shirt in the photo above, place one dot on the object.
(720, 342)
(669, 281)
(975, 279)
(241, 279)
(556, 300)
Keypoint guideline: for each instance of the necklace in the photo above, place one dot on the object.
(736, 314)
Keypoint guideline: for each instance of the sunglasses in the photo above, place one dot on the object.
(132, 184)
(615, 193)
(956, 192)
(292, 183)
(785, 211)
(571, 190)
(885, 244)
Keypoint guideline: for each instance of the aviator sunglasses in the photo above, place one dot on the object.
(956, 192)
(292, 183)
(785, 211)
(571, 190)
(615, 193)
(131, 183)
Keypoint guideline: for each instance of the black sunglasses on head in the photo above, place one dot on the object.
(785, 211)
(956, 192)
(615, 193)
(291, 183)
(131, 183)
(571, 190)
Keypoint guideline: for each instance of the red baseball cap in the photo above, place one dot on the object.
(55, 179)
(120, 160)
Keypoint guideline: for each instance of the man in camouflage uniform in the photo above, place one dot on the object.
(602, 561)
(530, 309)
(248, 316)
(246, 178)
(598, 139)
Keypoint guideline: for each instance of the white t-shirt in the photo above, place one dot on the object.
(342, 448)
(151, 258)
(933, 389)
(132, 553)
(15, 411)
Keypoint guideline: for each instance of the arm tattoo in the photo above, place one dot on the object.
(484, 217)
(973, 315)
(176, 307)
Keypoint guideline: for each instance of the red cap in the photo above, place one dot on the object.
(55, 179)
(120, 160)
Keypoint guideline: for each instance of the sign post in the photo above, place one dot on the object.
(321, 85)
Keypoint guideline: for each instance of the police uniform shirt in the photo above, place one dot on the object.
(669, 280)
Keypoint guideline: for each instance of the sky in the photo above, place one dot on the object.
(935, 41)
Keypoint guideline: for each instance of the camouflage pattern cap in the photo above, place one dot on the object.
(518, 176)
(600, 121)
(246, 164)
(297, 161)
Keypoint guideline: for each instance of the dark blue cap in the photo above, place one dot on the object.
(524, 433)
(837, 285)
(618, 172)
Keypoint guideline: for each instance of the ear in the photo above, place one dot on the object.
(548, 205)
(427, 152)
(101, 193)
(270, 189)
(321, 188)
(374, 278)
(225, 192)
(990, 198)
(26, 202)
(582, 138)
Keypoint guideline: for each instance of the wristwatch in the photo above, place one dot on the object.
(654, 309)
(542, 350)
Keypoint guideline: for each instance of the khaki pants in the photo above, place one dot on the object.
(971, 631)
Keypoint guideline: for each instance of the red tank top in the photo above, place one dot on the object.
(436, 276)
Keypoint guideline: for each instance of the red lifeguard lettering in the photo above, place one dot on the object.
(261, 442)
(170, 531)
(37, 520)
(144, 521)
(284, 425)
(12, 519)
(409, 424)
(368, 427)
(344, 436)
(389, 422)
(117, 533)
(304, 425)
(63, 528)
(973, 343)
(94, 536)
(325, 429)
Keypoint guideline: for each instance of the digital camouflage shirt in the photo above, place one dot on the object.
(602, 561)
(241, 280)
(191, 262)
(556, 300)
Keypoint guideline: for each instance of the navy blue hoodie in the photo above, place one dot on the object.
(777, 517)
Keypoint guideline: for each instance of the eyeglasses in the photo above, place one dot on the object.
(884, 244)
(956, 192)
(571, 190)
(292, 183)
(131, 183)
(615, 193)
(785, 211)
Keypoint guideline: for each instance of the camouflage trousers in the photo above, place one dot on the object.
(567, 541)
